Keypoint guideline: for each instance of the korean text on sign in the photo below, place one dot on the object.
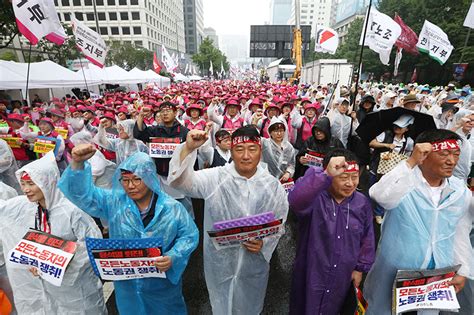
(49, 253)
(163, 147)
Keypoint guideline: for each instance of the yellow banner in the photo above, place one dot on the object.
(43, 146)
(13, 142)
(62, 132)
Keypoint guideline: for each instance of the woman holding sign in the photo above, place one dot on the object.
(33, 229)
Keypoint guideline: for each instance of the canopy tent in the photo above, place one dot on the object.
(181, 77)
(44, 74)
(195, 77)
(150, 76)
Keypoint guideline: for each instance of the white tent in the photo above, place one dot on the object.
(150, 76)
(195, 77)
(181, 77)
(44, 74)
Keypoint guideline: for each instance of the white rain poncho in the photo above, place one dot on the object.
(171, 222)
(122, 148)
(8, 166)
(280, 159)
(236, 279)
(341, 126)
(80, 291)
(102, 169)
(463, 167)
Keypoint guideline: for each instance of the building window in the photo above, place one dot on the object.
(139, 43)
(55, 3)
(88, 2)
(111, 2)
(103, 31)
(113, 16)
(67, 16)
(65, 2)
(135, 15)
(126, 30)
(78, 16)
(124, 16)
(134, 2)
(101, 16)
(59, 17)
(137, 30)
(76, 3)
(90, 16)
(122, 2)
(114, 30)
(93, 28)
(99, 2)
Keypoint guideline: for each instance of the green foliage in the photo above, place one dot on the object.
(208, 52)
(447, 14)
(9, 56)
(127, 56)
(58, 54)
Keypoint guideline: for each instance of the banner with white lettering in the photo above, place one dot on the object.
(90, 43)
(125, 259)
(36, 19)
(415, 290)
(167, 60)
(382, 33)
(433, 41)
(49, 254)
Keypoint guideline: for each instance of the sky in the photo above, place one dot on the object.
(234, 17)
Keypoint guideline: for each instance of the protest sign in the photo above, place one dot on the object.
(163, 147)
(125, 259)
(13, 142)
(48, 253)
(62, 132)
(44, 144)
(314, 158)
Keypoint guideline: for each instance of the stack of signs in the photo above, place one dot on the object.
(163, 147)
(314, 158)
(233, 233)
(125, 259)
(44, 144)
(13, 142)
(48, 253)
(415, 290)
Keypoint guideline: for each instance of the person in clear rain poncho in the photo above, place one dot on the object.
(125, 145)
(277, 152)
(80, 291)
(236, 277)
(8, 166)
(136, 207)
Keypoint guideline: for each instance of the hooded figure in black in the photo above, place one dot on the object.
(366, 106)
(319, 144)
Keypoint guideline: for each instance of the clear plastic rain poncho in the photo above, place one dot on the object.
(8, 166)
(463, 167)
(122, 148)
(171, 222)
(102, 169)
(80, 291)
(279, 158)
(236, 279)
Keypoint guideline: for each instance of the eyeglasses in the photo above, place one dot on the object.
(126, 181)
(166, 110)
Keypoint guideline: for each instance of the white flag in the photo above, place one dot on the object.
(469, 21)
(327, 40)
(186, 69)
(211, 69)
(222, 69)
(90, 43)
(433, 41)
(398, 58)
(382, 33)
(166, 60)
(36, 19)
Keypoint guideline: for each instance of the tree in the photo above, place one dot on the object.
(7, 22)
(9, 56)
(207, 53)
(127, 56)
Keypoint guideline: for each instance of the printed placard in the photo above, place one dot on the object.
(234, 237)
(13, 142)
(125, 259)
(314, 158)
(425, 290)
(288, 186)
(163, 147)
(44, 144)
(62, 132)
(48, 253)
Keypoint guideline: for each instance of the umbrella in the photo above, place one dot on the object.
(376, 123)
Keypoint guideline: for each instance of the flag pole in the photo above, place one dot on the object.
(465, 44)
(360, 57)
(83, 74)
(28, 77)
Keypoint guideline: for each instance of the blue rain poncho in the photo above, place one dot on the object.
(171, 222)
(81, 291)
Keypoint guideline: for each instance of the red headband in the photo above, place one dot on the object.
(449, 144)
(245, 139)
(352, 167)
(25, 176)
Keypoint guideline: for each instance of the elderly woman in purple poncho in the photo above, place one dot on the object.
(336, 237)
